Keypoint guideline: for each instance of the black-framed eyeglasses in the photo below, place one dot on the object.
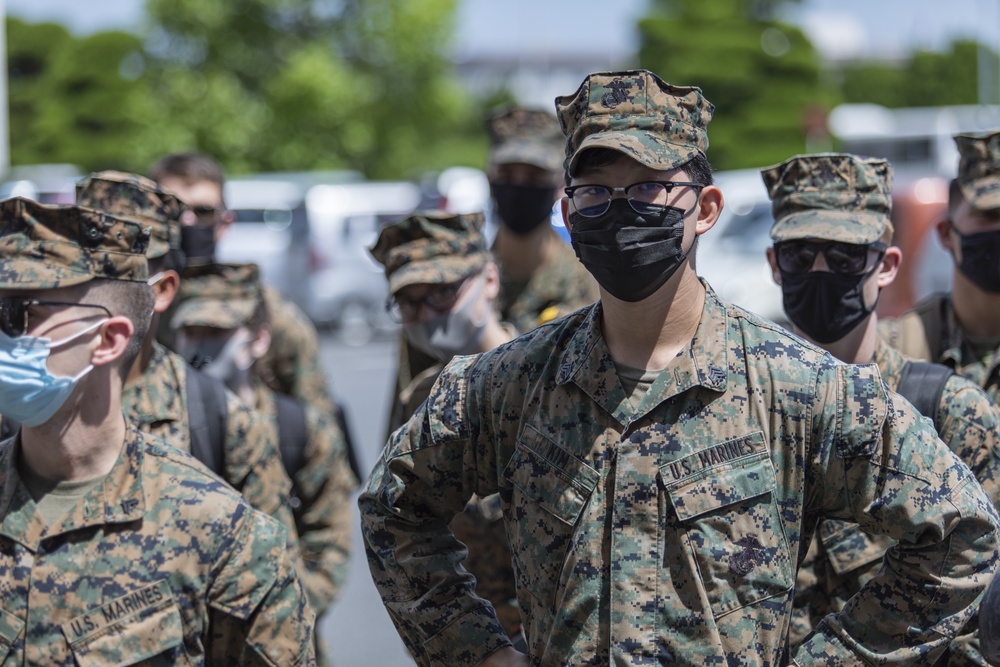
(594, 200)
(14, 312)
(207, 215)
(441, 299)
(844, 258)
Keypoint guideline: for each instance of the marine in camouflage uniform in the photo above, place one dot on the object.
(961, 329)
(227, 298)
(664, 523)
(819, 202)
(155, 394)
(149, 559)
(430, 251)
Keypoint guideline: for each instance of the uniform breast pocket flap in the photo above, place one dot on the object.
(548, 475)
(11, 628)
(143, 627)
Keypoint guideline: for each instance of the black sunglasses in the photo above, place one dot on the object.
(843, 258)
(14, 312)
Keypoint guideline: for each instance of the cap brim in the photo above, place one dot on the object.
(24, 273)
(843, 226)
(527, 153)
(647, 148)
(229, 314)
(981, 193)
(440, 270)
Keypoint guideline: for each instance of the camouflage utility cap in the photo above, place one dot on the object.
(530, 136)
(44, 247)
(136, 198)
(979, 168)
(636, 113)
(224, 296)
(832, 196)
(431, 247)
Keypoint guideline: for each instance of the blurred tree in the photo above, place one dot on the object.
(926, 78)
(307, 84)
(762, 75)
(77, 100)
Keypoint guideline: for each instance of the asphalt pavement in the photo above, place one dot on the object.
(357, 628)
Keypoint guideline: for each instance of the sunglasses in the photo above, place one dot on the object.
(843, 258)
(14, 312)
(440, 300)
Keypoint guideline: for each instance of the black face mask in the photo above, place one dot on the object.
(198, 243)
(825, 305)
(981, 259)
(523, 208)
(630, 254)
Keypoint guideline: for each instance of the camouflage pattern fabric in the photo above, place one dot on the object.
(60, 246)
(431, 247)
(322, 491)
(671, 533)
(139, 199)
(636, 113)
(224, 296)
(830, 196)
(160, 564)
(292, 364)
(979, 168)
(930, 332)
(158, 405)
(559, 286)
(527, 136)
(989, 623)
(844, 558)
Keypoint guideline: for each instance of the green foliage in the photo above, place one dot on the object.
(762, 75)
(925, 79)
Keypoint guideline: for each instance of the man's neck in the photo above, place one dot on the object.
(648, 334)
(977, 311)
(141, 363)
(520, 255)
(82, 441)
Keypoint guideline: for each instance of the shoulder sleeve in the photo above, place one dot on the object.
(426, 474)
(969, 423)
(260, 614)
(886, 470)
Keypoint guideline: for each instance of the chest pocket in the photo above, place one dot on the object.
(143, 627)
(733, 528)
(849, 548)
(549, 490)
(11, 628)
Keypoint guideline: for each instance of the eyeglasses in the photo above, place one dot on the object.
(207, 215)
(843, 258)
(440, 299)
(14, 312)
(644, 197)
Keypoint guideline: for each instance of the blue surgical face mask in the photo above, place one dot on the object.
(29, 393)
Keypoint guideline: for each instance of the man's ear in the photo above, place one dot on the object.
(226, 219)
(708, 209)
(115, 336)
(772, 259)
(261, 343)
(564, 206)
(165, 290)
(943, 228)
(890, 266)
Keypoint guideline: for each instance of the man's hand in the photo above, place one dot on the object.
(506, 657)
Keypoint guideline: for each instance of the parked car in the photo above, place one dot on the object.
(311, 238)
(44, 183)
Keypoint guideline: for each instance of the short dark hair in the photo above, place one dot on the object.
(698, 168)
(124, 298)
(189, 167)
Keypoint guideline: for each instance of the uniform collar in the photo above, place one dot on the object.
(118, 499)
(587, 362)
(156, 397)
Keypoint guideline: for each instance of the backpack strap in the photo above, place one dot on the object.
(207, 414)
(921, 384)
(292, 433)
(352, 455)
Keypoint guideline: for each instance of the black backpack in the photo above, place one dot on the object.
(921, 383)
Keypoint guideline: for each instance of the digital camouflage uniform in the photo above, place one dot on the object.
(160, 563)
(158, 403)
(844, 198)
(930, 331)
(228, 296)
(438, 248)
(670, 533)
